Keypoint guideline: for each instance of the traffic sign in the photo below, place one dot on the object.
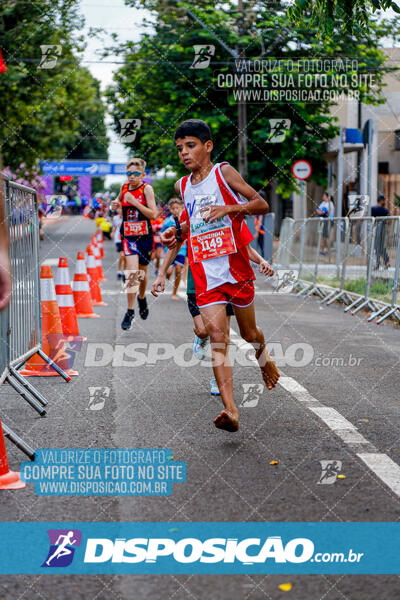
(301, 169)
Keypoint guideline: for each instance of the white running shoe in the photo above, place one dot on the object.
(214, 389)
(199, 347)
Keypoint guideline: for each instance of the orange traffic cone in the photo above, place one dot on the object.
(53, 340)
(100, 242)
(81, 290)
(99, 266)
(65, 302)
(9, 480)
(91, 268)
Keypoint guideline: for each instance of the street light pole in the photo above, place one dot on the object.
(242, 110)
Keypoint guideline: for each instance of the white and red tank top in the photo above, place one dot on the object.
(217, 251)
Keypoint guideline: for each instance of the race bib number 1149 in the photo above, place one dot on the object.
(213, 244)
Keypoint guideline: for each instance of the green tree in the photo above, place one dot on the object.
(47, 113)
(348, 15)
(158, 85)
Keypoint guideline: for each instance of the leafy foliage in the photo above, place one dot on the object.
(157, 84)
(52, 113)
(348, 15)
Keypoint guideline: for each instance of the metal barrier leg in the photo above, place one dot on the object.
(304, 290)
(53, 365)
(376, 314)
(353, 304)
(388, 314)
(328, 296)
(28, 386)
(25, 394)
(15, 439)
(315, 289)
(335, 297)
(359, 307)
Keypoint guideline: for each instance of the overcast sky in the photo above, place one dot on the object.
(114, 17)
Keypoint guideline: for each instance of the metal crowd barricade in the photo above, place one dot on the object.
(21, 331)
(310, 249)
(358, 266)
(283, 254)
(354, 260)
(385, 265)
(332, 262)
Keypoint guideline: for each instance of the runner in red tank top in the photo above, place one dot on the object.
(138, 208)
(216, 199)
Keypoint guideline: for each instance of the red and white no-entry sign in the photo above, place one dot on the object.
(301, 169)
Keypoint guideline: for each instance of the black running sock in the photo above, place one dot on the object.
(130, 311)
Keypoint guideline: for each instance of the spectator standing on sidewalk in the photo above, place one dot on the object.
(326, 210)
(380, 210)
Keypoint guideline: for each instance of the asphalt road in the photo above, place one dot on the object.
(341, 381)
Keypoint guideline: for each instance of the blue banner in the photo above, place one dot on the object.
(205, 548)
(76, 167)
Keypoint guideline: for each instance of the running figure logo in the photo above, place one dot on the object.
(278, 130)
(284, 280)
(251, 394)
(50, 54)
(129, 129)
(132, 280)
(97, 397)
(203, 56)
(63, 543)
(329, 471)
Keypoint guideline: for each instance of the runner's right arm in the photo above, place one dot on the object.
(159, 284)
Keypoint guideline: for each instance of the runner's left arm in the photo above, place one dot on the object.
(264, 266)
(255, 205)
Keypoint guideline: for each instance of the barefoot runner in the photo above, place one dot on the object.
(138, 208)
(216, 199)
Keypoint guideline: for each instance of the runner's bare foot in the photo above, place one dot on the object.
(227, 420)
(269, 370)
(174, 297)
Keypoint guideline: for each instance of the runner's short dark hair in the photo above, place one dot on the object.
(193, 127)
(174, 200)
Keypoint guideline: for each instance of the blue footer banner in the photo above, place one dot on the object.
(204, 548)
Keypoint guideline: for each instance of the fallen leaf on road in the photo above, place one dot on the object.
(285, 587)
(273, 462)
(341, 476)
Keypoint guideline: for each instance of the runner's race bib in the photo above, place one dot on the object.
(213, 244)
(132, 228)
(210, 240)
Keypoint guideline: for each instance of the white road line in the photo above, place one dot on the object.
(380, 464)
(384, 467)
(332, 418)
